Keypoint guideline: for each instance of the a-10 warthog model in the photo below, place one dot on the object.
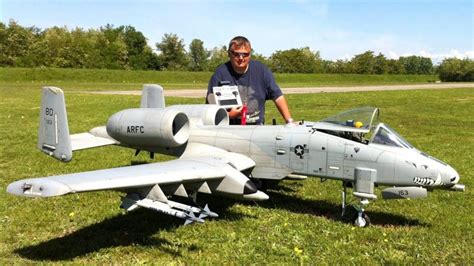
(229, 160)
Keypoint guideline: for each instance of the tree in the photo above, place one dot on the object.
(425, 65)
(173, 55)
(380, 64)
(416, 64)
(336, 67)
(218, 57)
(112, 47)
(363, 63)
(136, 47)
(198, 55)
(301, 60)
(394, 67)
(82, 47)
(315, 60)
(261, 58)
(16, 41)
(151, 59)
(59, 43)
(109, 47)
(3, 44)
(453, 69)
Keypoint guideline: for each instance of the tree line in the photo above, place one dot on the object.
(126, 48)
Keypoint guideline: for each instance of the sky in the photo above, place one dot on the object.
(338, 29)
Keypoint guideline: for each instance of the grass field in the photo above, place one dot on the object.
(84, 79)
(299, 224)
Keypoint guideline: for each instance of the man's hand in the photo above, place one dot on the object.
(282, 107)
(234, 112)
(291, 123)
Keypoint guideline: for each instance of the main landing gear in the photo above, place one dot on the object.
(354, 212)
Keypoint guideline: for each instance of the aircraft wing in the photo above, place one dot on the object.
(172, 172)
(87, 140)
(201, 165)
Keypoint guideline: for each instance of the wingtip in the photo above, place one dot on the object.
(37, 188)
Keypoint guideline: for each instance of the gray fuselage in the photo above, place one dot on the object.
(281, 150)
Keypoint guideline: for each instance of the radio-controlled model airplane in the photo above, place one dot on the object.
(216, 158)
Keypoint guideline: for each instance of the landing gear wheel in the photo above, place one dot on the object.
(362, 220)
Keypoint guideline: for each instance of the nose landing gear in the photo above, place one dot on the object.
(357, 216)
(361, 219)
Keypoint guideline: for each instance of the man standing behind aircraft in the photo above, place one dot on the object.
(255, 82)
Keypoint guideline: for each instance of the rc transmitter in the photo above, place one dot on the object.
(225, 96)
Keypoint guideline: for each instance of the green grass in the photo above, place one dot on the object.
(95, 79)
(299, 224)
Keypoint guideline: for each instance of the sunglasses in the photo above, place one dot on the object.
(235, 54)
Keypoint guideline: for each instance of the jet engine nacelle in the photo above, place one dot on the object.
(149, 127)
(204, 114)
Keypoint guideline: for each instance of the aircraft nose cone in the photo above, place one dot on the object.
(454, 176)
(449, 176)
(454, 179)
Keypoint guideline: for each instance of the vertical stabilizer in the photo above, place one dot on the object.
(152, 96)
(53, 133)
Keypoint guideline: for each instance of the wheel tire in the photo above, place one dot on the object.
(362, 221)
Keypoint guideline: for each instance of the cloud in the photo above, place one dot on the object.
(392, 55)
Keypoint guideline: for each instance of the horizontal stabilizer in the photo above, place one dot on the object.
(86, 140)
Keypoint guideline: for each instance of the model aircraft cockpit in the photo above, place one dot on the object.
(385, 135)
(362, 125)
(362, 118)
(356, 124)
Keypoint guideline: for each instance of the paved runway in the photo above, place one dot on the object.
(198, 93)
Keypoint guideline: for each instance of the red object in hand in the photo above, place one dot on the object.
(243, 113)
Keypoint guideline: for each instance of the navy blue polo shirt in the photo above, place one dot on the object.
(255, 87)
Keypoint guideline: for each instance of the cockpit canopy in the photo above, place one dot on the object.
(360, 120)
(385, 135)
(362, 125)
